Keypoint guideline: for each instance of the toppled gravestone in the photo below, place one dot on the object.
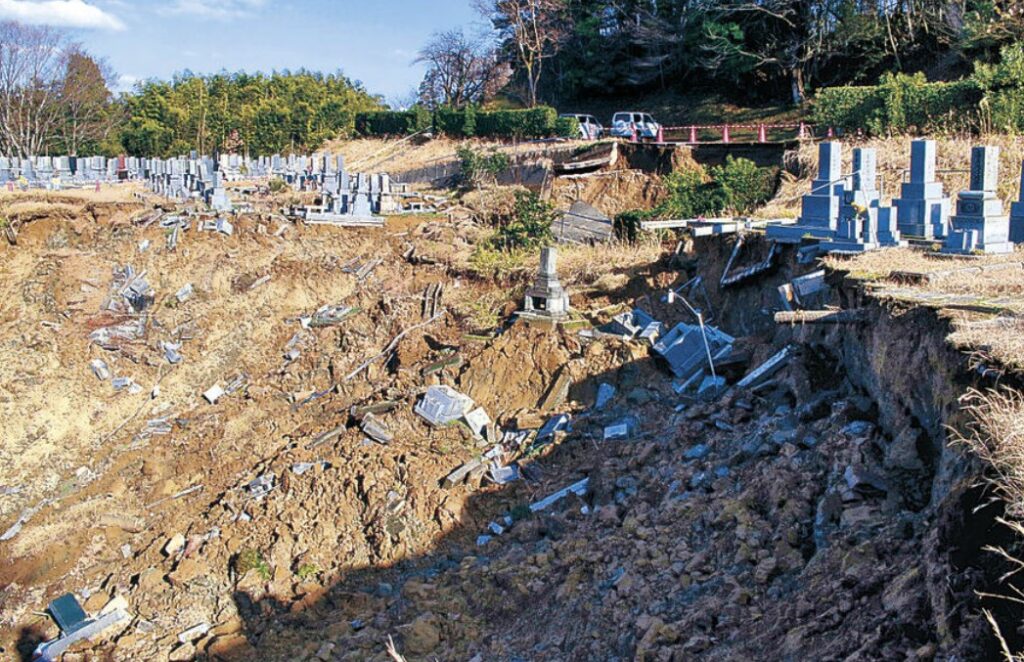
(442, 404)
(75, 626)
(687, 348)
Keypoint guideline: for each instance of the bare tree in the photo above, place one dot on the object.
(86, 99)
(533, 29)
(460, 70)
(33, 61)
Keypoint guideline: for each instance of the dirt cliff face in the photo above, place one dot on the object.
(821, 517)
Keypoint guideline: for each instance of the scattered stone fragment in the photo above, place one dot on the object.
(174, 545)
(185, 293)
(375, 429)
(605, 392)
(213, 394)
(100, 369)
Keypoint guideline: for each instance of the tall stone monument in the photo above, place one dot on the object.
(923, 208)
(546, 297)
(1017, 215)
(980, 226)
(864, 224)
(819, 210)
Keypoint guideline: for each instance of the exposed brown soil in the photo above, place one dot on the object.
(822, 517)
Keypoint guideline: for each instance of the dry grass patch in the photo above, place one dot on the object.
(386, 155)
(882, 264)
(995, 433)
(999, 339)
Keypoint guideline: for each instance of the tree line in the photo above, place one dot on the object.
(552, 51)
(56, 98)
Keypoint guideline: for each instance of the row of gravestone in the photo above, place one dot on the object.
(360, 195)
(55, 171)
(844, 212)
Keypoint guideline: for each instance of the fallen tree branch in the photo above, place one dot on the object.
(392, 344)
(821, 316)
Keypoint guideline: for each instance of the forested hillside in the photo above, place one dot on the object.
(761, 50)
(743, 56)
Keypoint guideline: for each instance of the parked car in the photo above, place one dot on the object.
(590, 128)
(626, 124)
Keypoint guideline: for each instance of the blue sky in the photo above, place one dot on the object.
(373, 41)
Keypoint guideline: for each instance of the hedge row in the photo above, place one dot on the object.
(901, 104)
(541, 122)
(392, 123)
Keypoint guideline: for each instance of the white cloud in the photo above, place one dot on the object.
(60, 13)
(215, 8)
(125, 82)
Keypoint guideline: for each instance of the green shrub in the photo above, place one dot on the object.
(251, 559)
(627, 223)
(1002, 85)
(391, 122)
(529, 123)
(567, 127)
(689, 195)
(741, 185)
(307, 571)
(541, 122)
(479, 167)
(461, 123)
(900, 103)
(530, 225)
(847, 108)
(277, 185)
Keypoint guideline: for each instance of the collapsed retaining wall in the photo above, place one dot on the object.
(900, 359)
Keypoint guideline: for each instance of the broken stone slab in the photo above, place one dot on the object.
(558, 392)
(100, 369)
(622, 429)
(185, 293)
(554, 425)
(439, 366)
(213, 394)
(236, 384)
(174, 545)
(122, 383)
(578, 488)
(375, 429)
(193, 633)
(767, 369)
(106, 335)
(862, 481)
(325, 437)
(171, 352)
(804, 292)
(383, 407)
(628, 324)
(478, 421)
(688, 348)
(501, 475)
(260, 486)
(711, 386)
(51, 651)
(330, 315)
(442, 404)
(299, 468)
(15, 528)
(605, 392)
(460, 475)
(157, 426)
